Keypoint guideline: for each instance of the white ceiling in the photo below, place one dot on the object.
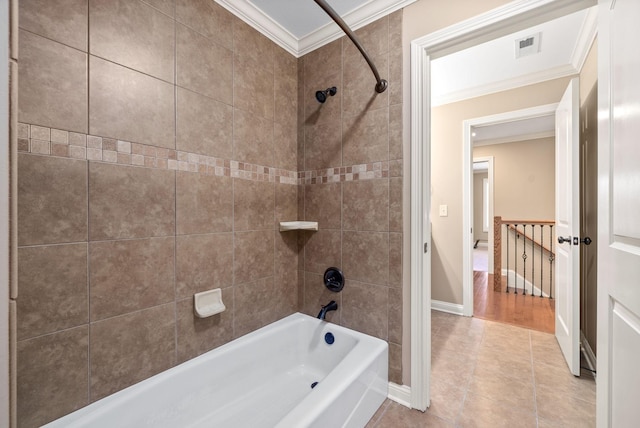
(492, 67)
(300, 26)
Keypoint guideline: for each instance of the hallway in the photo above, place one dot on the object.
(487, 374)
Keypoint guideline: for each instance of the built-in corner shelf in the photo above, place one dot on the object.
(298, 225)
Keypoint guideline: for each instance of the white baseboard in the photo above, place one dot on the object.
(588, 352)
(512, 276)
(452, 308)
(401, 394)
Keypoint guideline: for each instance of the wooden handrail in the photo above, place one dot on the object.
(528, 221)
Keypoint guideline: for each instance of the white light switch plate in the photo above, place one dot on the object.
(444, 211)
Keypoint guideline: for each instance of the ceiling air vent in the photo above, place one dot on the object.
(529, 45)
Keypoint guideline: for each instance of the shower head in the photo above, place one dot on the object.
(321, 96)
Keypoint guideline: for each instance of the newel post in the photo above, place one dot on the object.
(497, 253)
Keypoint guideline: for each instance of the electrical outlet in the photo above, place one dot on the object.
(444, 210)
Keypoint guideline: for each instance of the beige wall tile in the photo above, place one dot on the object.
(52, 200)
(203, 262)
(252, 138)
(322, 145)
(203, 66)
(253, 255)
(259, 303)
(395, 58)
(53, 84)
(166, 6)
(63, 21)
(395, 132)
(395, 363)
(52, 376)
(131, 106)
(127, 276)
(195, 336)
(322, 250)
(285, 146)
(285, 66)
(286, 265)
(373, 37)
(329, 112)
(130, 202)
(253, 204)
(129, 348)
(366, 137)
(204, 203)
(253, 46)
(359, 94)
(133, 34)
(395, 260)
(365, 256)
(209, 134)
(322, 203)
(207, 18)
(395, 315)
(286, 203)
(53, 289)
(321, 64)
(395, 204)
(365, 307)
(365, 205)
(253, 88)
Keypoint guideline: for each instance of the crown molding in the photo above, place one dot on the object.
(366, 14)
(588, 33)
(505, 85)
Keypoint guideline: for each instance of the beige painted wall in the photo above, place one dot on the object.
(446, 174)
(478, 179)
(524, 178)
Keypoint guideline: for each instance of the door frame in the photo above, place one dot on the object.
(467, 191)
(516, 15)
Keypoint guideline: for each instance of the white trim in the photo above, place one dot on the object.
(515, 139)
(401, 394)
(516, 15)
(450, 308)
(586, 38)
(358, 18)
(420, 231)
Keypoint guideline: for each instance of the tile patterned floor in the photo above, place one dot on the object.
(487, 374)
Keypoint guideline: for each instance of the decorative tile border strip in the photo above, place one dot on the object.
(55, 142)
(365, 171)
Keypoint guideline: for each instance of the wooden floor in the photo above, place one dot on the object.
(536, 313)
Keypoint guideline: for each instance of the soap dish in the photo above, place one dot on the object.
(208, 303)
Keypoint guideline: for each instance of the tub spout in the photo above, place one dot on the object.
(331, 306)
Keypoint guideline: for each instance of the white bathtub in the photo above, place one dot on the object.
(262, 379)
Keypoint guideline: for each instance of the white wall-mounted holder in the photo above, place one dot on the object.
(208, 303)
(298, 225)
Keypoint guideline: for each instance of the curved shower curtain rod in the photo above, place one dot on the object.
(382, 84)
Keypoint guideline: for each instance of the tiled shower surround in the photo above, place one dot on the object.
(160, 144)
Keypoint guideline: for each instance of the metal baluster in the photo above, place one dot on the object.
(524, 261)
(551, 258)
(507, 258)
(541, 258)
(533, 259)
(515, 253)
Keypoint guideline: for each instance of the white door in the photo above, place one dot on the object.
(618, 214)
(567, 269)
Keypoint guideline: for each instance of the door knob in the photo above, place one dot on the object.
(586, 241)
(562, 239)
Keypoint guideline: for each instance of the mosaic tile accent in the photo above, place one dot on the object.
(367, 171)
(56, 142)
